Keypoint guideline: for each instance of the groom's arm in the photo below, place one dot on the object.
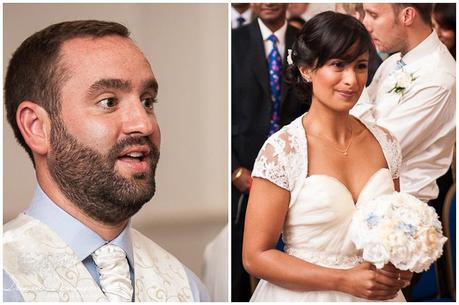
(364, 108)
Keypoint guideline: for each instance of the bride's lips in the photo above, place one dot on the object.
(136, 158)
(347, 94)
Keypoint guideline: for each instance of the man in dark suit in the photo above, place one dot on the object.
(255, 114)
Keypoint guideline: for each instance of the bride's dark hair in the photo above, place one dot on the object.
(327, 35)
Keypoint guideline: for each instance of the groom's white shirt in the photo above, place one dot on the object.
(422, 118)
(83, 242)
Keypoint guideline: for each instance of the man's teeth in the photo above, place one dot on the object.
(135, 155)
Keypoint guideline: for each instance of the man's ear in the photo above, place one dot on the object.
(408, 15)
(305, 73)
(33, 122)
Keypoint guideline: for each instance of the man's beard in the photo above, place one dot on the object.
(89, 179)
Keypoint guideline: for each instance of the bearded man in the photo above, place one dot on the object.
(80, 98)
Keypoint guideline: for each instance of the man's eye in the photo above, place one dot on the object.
(109, 102)
(149, 103)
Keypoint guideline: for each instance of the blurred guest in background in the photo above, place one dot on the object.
(296, 22)
(307, 10)
(444, 22)
(261, 103)
(241, 14)
(356, 10)
(297, 9)
(216, 267)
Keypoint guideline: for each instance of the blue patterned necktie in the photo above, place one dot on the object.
(274, 66)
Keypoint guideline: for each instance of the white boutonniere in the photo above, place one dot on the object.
(403, 79)
(289, 57)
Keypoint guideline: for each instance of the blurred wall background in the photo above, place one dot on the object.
(187, 46)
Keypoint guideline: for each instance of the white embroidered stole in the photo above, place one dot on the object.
(45, 268)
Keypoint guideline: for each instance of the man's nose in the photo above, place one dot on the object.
(138, 120)
(366, 23)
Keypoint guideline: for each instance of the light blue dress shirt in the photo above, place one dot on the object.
(83, 242)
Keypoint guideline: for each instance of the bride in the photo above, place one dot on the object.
(310, 175)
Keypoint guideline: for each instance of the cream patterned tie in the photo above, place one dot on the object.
(113, 268)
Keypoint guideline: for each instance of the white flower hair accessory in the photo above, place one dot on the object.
(289, 57)
(403, 79)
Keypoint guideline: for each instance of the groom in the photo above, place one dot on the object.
(413, 93)
(80, 98)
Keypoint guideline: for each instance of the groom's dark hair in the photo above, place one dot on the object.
(35, 72)
(327, 35)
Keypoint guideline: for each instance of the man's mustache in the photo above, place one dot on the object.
(118, 148)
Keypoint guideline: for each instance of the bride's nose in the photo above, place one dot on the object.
(349, 77)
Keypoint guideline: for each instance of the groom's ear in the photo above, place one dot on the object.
(305, 73)
(408, 15)
(34, 125)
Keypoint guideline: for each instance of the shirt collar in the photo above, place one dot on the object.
(424, 48)
(266, 32)
(247, 14)
(79, 237)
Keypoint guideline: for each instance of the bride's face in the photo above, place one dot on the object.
(337, 84)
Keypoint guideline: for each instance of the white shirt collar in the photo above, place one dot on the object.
(422, 49)
(247, 15)
(266, 32)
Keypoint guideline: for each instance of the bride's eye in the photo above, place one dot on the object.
(362, 66)
(338, 64)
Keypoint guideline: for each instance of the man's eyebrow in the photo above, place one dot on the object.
(369, 11)
(109, 83)
(150, 84)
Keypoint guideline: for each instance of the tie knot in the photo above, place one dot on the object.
(273, 39)
(399, 64)
(240, 20)
(113, 269)
(108, 253)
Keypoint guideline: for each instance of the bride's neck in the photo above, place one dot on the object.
(328, 123)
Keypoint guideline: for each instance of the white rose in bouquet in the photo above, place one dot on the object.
(399, 229)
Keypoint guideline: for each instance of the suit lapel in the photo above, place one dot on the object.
(258, 56)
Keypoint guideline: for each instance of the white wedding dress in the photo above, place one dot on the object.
(316, 228)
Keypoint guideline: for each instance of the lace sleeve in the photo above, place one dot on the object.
(271, 163)
(392, 151)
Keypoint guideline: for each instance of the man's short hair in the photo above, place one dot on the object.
(423, 9)
(35, 73)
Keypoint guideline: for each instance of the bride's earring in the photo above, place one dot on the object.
(305, 74)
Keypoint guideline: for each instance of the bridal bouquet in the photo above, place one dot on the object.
(399, 229)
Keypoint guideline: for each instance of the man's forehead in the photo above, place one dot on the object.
(111, 56)
(84, 44)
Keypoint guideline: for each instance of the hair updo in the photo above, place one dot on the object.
(326, 36)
